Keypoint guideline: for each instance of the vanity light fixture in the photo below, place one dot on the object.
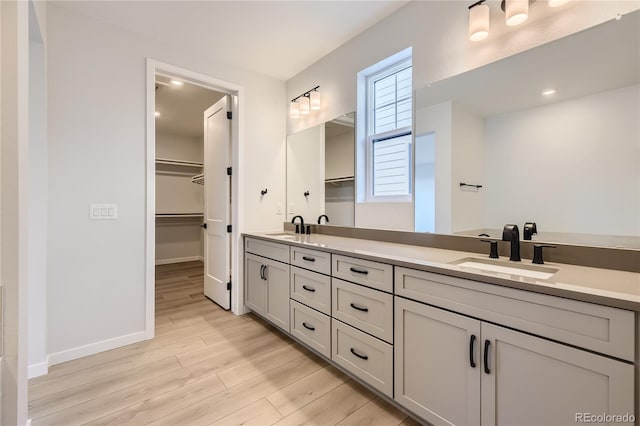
(314, 99)
(304, 103)
(478, 21)
(516, 12)
(294, 109)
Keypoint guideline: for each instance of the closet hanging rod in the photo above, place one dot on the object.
(173, 162)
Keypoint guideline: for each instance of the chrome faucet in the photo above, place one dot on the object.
(298, 231)
(512, 234)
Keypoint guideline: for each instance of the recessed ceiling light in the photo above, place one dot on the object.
(177, 82)
(548, 92)
(157, 114)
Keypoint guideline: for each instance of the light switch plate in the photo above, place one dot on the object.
(103, 211)
(278, 208)
(292, 207)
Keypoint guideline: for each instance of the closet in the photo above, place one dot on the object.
(179, 169)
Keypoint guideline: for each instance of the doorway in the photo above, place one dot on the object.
(179, 183)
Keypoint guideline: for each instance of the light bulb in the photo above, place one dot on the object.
(516, 11)
(478, 22)
(177, 83)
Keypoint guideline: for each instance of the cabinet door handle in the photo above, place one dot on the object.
(262, 272)
(472, 343)
(308, 327)
(266, 272)
(311, 289)
(359, 308)
(308, 259)
(359, 271)
(353, 351)
(487, 345)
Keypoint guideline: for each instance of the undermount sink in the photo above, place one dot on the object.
(508, 268)
(283, 235)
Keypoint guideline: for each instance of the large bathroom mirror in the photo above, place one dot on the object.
(551, 136)
(320, 172)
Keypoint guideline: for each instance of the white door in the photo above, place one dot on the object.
(217, 210)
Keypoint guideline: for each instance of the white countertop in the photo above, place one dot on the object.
(608, 287)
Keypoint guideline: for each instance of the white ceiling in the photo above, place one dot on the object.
(276, 38)
(181, 108)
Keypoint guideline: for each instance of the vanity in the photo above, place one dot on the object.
(450, 340)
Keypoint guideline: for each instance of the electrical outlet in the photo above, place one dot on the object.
(103, 211)
(278, 208)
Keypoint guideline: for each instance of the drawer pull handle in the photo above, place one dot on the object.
(487, 345)
(308, 259)
(262, 272)
(308, 327)
(359, 308)
(359, 271)
(311, 289)
(353, 351)
(472, 342)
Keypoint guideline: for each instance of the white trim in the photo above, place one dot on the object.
(179, 260)
(237, 218)
(96, 347)
(39, 369)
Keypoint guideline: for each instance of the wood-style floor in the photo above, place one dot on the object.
(205, 366)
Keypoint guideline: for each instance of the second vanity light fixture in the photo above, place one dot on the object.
(515, 11)
(304, 103)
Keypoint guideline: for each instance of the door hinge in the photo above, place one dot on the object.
(229, 171)
(229, 115)
(228, 228)
(229, 285)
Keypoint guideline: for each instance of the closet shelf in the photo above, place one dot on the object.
(339, 179)
(172, 162)
(179, 214)
(199, 179)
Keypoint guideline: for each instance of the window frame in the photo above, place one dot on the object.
(372, 137)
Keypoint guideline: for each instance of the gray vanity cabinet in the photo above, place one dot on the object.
(538, 382)
(452, 369)
(433, 374)
(267, 288)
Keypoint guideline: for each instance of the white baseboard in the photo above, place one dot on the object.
(94, 348)
(39, 369)
(179, 260)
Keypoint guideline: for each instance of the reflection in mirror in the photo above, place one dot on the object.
(552, 135)
(320, 164)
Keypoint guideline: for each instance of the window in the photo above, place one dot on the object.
(388, 139)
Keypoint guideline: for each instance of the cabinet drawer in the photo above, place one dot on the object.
(365, 272)
(366, 309)
(311, 327)
(314, 260)
(312, 289)
(275, 251)
(364, 356)
(598, 328)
